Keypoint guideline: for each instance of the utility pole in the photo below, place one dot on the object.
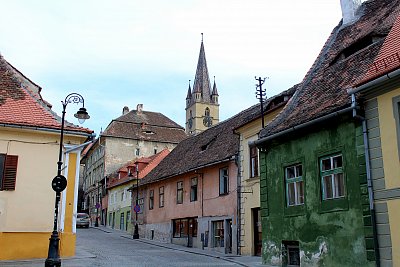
(260, 94)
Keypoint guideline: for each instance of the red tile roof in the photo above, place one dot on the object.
(145, 166)
(388, 58)
(21, 103)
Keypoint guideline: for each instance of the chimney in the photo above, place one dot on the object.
(125, 110)
(349, 8)
(139, 108)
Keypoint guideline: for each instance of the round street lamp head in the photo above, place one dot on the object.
(82, 115)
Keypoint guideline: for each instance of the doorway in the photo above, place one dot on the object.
(228, 248)
(257, 231)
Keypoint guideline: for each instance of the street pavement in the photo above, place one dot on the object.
(100, 246)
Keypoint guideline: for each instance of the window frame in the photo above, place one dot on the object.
(219, 233)
(253, 163)
(179, 192)
(297, 179)
(332, 172)
(151, 199)
(193, 189)
(224, 187)
(8, 172)
(161, 197)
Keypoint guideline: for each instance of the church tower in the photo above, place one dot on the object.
(202, 108)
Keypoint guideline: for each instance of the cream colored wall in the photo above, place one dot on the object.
(250, 187)
(390, 151)
(394, 219)
(37, 158)
(391, 163)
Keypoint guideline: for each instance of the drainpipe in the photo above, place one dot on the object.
(238, 215)
(369, 178)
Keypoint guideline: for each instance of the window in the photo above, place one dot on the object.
(179, 193)
(253, 162)
(161, 197)
(122, 196)
(218, 233)
(294, 185)
(184, 227)
(151, 200)
(141, 204)
(137, 151)
(155, 151)
(291, 253)
(181, 227)
(193, 189)
(207, 112)
(332, 177)
(8, 171)
(223, 181)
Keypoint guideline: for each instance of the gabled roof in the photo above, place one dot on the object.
(145, 125)
(388, 58)
(146, 164)
(343, 59)
(22, 105)
(212, 146)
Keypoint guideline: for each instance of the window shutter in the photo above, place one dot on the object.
(10, 172)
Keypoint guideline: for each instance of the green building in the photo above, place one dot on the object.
(316, 207)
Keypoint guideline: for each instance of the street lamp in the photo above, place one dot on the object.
(137, 207)
(59, 183)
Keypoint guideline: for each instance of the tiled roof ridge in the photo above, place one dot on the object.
(155, 159)
(144, 112)
(153, 125)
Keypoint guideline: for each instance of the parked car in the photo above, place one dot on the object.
(82, 220)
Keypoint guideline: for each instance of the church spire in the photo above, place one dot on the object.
(202, 81)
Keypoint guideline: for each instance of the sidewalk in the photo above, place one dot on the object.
(249, 261)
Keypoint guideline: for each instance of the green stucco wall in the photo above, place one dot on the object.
(330, 232)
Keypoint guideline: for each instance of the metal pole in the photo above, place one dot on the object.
(53, 257)
(260, 95)
(136, 231)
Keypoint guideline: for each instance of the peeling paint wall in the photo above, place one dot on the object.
(329, 232)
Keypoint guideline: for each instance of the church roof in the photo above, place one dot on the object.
(344, 58)
(202, 79)
(145, 125)
(21, 103)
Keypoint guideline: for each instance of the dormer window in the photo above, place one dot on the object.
(148, 132)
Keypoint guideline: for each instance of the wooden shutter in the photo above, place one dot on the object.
(10, 172)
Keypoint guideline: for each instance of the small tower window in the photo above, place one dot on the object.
(207, 112)
(137, 151)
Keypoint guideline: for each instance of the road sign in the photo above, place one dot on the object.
(137, 208)
(59, 183)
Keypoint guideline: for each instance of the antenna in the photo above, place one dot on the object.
(260, 94)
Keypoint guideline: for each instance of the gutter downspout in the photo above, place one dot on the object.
(238, 215)
(369, 179)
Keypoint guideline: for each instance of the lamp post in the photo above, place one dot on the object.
(137, 207)
(59, 183)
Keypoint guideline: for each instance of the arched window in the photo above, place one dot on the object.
(207, 112)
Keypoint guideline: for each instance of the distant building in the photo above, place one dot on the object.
(29, 149)
(202, 107)
(135, 134)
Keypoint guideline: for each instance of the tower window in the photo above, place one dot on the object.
(207, 112)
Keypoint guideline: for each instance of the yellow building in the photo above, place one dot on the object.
(380, 90)
(250, 215)
(29, 146)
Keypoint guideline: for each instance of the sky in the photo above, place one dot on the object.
(127, 52)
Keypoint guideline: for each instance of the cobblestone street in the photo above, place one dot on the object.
(105, 247)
